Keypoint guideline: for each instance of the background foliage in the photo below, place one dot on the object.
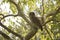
(14, 14)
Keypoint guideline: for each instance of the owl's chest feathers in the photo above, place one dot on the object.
(35, 20)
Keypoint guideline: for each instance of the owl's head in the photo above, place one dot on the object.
(31, 14)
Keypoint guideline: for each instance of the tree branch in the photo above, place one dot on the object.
(31, 34)
(5, 36)
(53, 12)
(11, 31)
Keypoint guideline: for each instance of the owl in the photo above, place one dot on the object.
(35, 20)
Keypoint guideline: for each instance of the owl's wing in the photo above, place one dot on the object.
(38, 23)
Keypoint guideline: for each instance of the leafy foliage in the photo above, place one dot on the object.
(20, 24)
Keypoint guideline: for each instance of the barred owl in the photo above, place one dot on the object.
(35, 20)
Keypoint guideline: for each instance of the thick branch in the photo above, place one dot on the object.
(11, 31)
(53, 12)
(31, 34)
(5, 36)
(20, 12)
(2, 14)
